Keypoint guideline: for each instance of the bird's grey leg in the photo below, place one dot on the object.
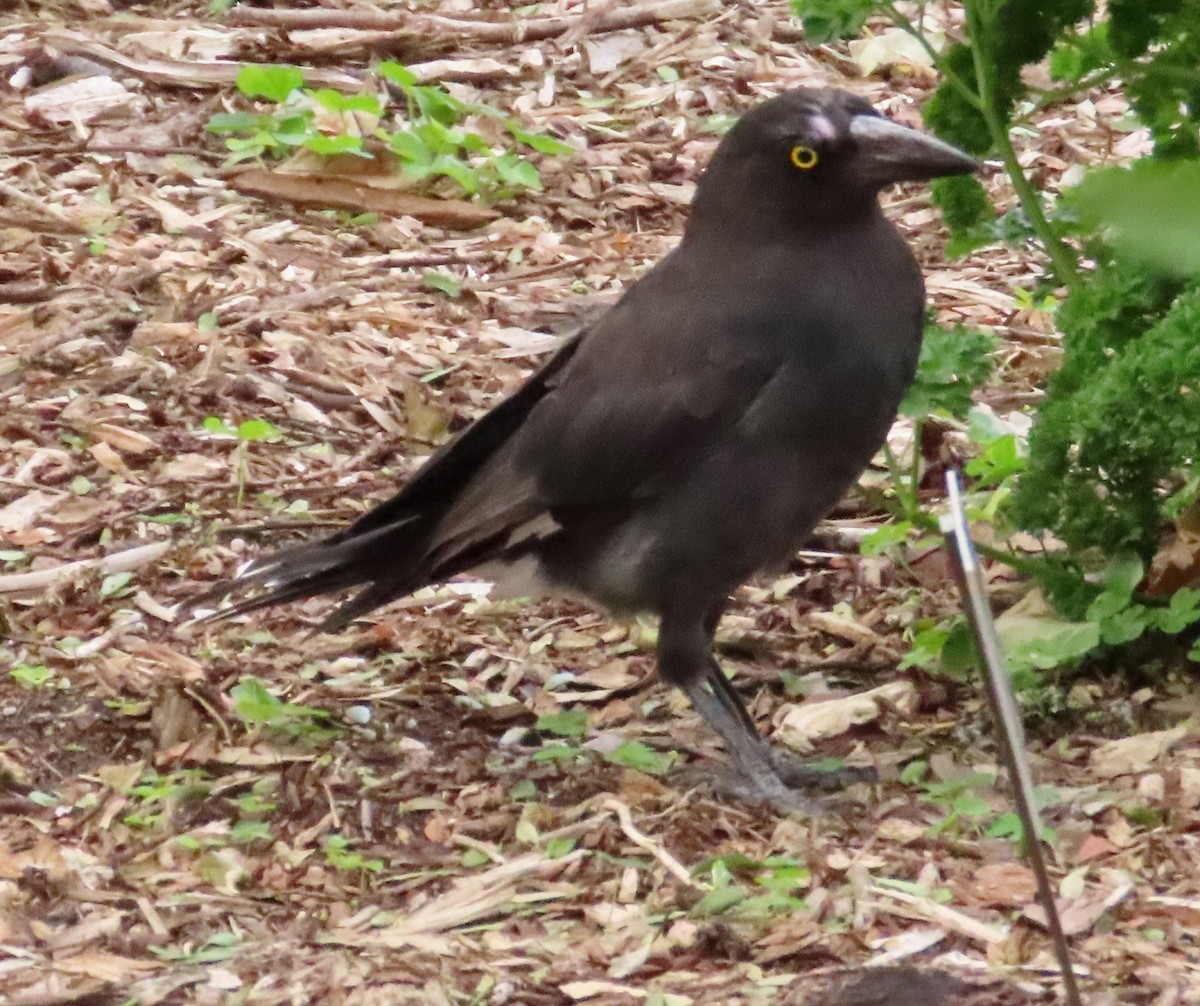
(685, 660)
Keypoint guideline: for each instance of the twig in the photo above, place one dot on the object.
(24, 293)
(179, 72)
(674, 867)
(510, 32)
(106, 565)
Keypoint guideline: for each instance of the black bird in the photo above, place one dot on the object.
(698, 430)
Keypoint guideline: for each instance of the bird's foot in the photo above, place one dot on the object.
(800, 774)
(779, 779)
(729, 782)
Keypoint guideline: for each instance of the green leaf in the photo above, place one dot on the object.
(1040, 642)
(830, 20)
(235, 122)
(114, 584)
(964, 202)
(472, 858)
(250, 831)
(1124, 626)
(970, 805)
(571, 723)
(1122, 574)
(1079, 55)
(543, 143)
(1153, 208)
(885, 537)
(953, 362)
(720, 899)
(999, 459)
(452, 167)
(214, 424)
(523, 789)
(31, 675)
(1182, 610)
(328, 146)
(519, 172)
(556, 848)
(336, 101)
(556, 752)
(255, 80)
(253, 703)
(408, 146)
(443, 283)
(397, 73)
(438, 105)
(251, 430)
(636, 755)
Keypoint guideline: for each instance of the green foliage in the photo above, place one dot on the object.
(217, 948)
(275, 83)
(946, 647)
(965, 811)
(953, 363)
(1075, 56)
(752, 888)
(636, 755)
(247, 432)
(443, 283)
(827, 20)
(954, 112)
(1164, 89)
(1152, 208)
(431, 140)
(153, 795)
(1110, 436)
(258, 708)
(570, 723)
(35, 676)
(963, 201)
(340, 856)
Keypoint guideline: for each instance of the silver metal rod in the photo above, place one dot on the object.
(1007, 715)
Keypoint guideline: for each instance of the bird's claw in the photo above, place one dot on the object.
(782, 781)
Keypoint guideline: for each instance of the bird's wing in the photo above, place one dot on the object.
(441, 480)
(645, 397)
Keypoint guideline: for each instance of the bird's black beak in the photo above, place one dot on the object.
(887, 152)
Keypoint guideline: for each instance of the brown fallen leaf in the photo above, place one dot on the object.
(1093, 847)
(1001, 885)
(121, 438)
(1134, 754)
(342, 193)
(798, 726)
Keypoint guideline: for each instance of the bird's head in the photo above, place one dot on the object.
(819, 152)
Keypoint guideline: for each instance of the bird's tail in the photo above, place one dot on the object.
(386, 558)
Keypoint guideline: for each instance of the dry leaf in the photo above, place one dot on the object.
(1002, 885)
(345, 194)
(1127, 755)
(799, 726)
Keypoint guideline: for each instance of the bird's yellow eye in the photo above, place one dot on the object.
(804, 158)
